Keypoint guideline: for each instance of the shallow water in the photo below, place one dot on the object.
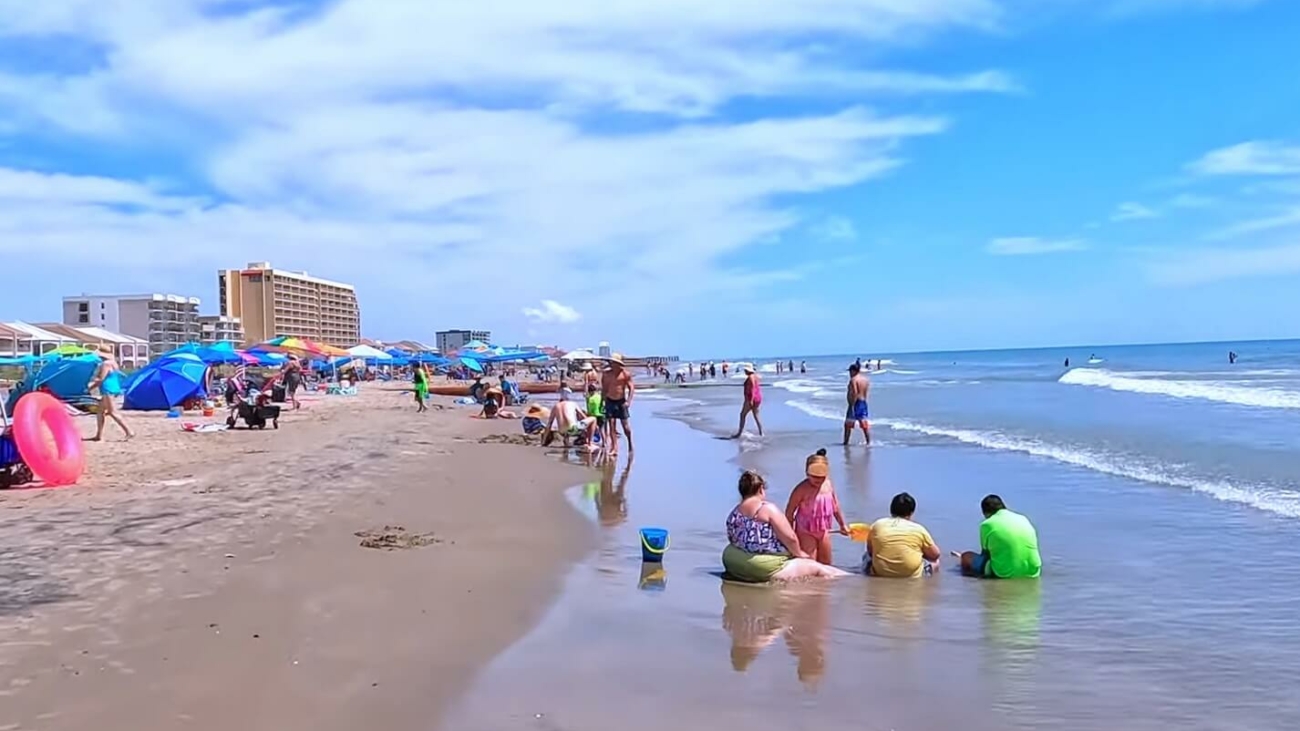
(1161, 604)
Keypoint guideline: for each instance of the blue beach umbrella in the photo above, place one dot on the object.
(66, 378)
(166, 382)
(471, 364)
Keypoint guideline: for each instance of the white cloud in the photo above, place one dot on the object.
(1215, 265)
(835, 229)
(552, 311)
(395, 141)
(1132, 212)
(1250, 158)
(1286, 219)
(1032, 245)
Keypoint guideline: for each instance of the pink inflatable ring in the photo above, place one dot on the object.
(48, 439)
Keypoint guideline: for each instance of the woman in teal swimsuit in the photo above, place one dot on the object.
(108, 379)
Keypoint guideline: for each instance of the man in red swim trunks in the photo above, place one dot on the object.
(616, 392)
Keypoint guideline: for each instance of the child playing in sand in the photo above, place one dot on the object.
(812, 506)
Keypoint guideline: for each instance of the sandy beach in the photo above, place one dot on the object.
(211, 581)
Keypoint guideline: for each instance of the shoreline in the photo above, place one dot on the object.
(203, 585)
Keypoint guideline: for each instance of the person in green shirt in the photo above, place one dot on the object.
(596, 408)
(1008, 545)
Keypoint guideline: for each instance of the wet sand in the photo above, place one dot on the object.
(211, 581)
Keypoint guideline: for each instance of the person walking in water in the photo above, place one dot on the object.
(108, 379)
(857, 414)
(616, 392)
(753, 401)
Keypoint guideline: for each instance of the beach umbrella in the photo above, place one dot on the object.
(579, 354)
(66, 378)
(475, 345)
(166, 382)
(471, 364)
(69, 349)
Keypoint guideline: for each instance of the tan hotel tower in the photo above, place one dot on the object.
(274, 302)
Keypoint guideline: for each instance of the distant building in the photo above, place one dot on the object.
(131, 352)
(220, 329)
(274, 302)
(449, 340)
(166, 321)
(603, 349)
(26, 339)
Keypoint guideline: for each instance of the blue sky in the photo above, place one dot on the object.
(756, 176)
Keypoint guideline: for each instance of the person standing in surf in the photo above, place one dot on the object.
(616, 392)
(857, 414)
(753, 401)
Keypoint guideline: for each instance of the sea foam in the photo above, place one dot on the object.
(1281, 502)
(1229, 393)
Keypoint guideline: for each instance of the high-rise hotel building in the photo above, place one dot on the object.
(274, 302)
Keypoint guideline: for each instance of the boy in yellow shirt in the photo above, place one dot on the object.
(898, 547)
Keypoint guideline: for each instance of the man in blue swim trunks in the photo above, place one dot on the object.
(857, 413)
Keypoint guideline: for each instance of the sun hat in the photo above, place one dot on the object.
(748, 368)
(616, 358)
(586, 367)
(817, 466)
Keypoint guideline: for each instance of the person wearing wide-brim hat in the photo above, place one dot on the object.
(108, 381)
(616, 392)
(752, 403)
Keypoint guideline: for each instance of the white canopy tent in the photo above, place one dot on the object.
(365, 351)
(580, 354)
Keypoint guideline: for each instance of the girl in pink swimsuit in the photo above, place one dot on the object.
(812, 507)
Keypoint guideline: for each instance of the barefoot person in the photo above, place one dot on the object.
(108, 380)
(291, 373)
(857, 413)
(420, 379)
(569, 421)
(753, 401)
(813, 504)
(761, 545)
(616, 392)
(898, 547)
(1008, 545)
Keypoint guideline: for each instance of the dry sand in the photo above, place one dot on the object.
(218, 581)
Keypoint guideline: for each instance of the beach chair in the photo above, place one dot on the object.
(13, 471)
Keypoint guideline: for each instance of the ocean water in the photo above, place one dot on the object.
(1164, 482)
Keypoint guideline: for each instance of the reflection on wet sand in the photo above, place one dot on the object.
(611, 503)
(756, 615)
(654, 577)
(900, 604)
(1011, 619)
(608, 495)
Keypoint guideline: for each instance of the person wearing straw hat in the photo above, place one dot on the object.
(753, 401)
(108, 381)
(616, 390)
